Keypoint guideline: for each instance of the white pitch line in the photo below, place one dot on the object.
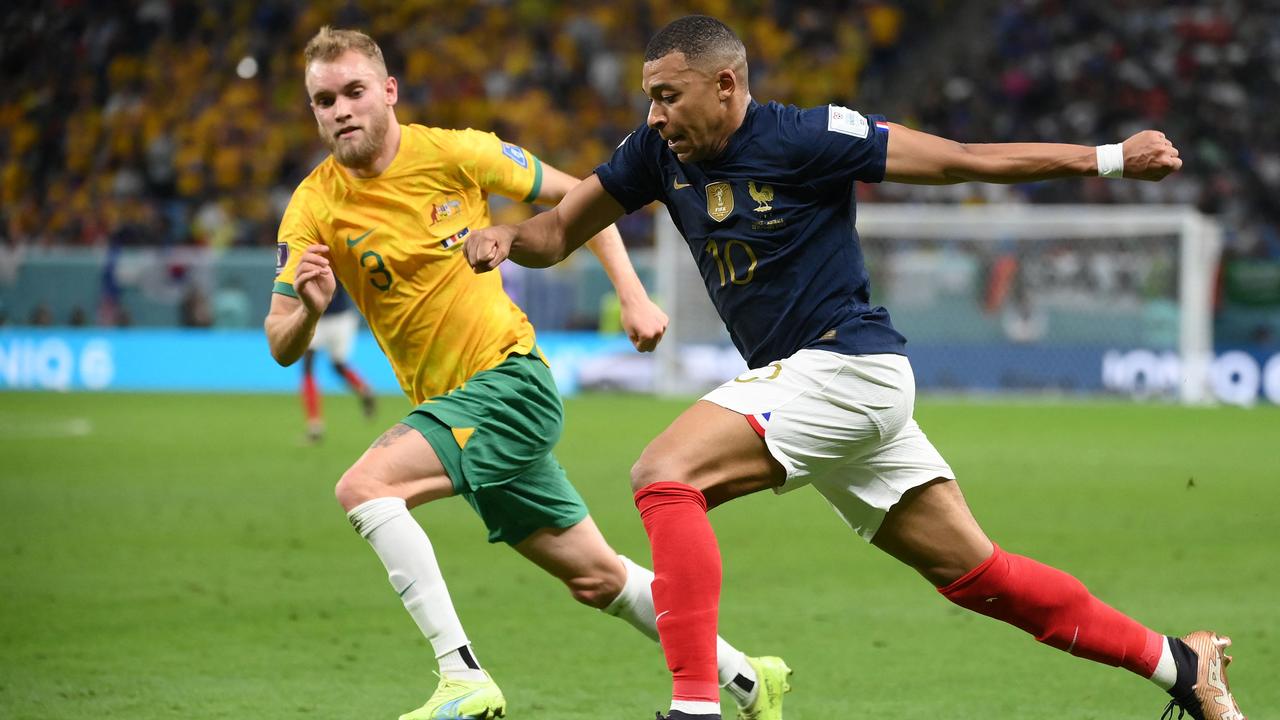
(13, 427)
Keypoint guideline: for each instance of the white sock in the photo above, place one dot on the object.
(404, 549)
(745, 693)
(635, 605)
(690, 707)
(461, 664)
(1166, 673)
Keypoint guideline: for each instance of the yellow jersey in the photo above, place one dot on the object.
(395, 244)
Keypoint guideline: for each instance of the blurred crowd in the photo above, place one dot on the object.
(181, 122)
(1205, 72)
(178, 122)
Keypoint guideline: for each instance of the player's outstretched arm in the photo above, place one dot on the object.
(644, 322)
(922, 159)
(291, 322)
(548, 237)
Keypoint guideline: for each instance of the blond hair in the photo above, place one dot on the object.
(329, 44)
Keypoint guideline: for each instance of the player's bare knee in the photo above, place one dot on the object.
(650, 469)
(357, 486)
(347, 491)
(596, 590)
(641, 475)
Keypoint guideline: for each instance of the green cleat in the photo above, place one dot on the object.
(771, 683)
(462, 700)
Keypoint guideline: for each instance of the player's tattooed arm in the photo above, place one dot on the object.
(390, 436)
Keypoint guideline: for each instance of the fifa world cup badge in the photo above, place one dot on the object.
(719, 200)
(282, 256)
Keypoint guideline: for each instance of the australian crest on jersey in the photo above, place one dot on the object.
(445, 213)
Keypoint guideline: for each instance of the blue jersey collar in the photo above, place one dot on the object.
(738, 137)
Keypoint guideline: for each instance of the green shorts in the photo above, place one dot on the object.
(494, 435)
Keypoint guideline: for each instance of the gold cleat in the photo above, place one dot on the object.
(1210, 697)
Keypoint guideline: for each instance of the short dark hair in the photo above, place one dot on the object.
(703, 40)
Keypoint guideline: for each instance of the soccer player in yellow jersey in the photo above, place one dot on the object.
(385, 215)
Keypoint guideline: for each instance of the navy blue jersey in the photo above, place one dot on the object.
(340, 303)
(770, 222)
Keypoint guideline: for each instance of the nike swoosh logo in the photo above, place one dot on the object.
(406, 588)
(450, 709)
(659, 617)
(354, 242)
(676, 184)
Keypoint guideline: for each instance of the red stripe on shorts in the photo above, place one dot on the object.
(755, 424)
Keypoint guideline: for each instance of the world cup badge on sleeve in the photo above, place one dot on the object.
(282, 256)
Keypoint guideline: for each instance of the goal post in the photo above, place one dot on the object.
(1005, 297)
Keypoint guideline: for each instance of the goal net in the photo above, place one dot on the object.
(1062, 299)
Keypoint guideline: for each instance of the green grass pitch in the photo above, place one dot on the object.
(183, 557)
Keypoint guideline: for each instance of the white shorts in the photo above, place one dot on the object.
(843, 424)
(335, 333)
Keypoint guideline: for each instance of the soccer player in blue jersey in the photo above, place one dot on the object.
(764, 196)
(335, 334)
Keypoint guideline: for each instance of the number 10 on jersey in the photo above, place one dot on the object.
(725, 256)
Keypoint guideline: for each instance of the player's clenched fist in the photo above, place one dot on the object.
(644, 322)
(1149, 155)
(486, 248)
(314, 281)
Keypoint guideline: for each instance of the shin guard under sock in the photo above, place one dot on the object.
(686, 585)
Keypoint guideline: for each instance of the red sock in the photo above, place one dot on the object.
(310, 398)
(686, 585)
(353, 380)
(1058, 610)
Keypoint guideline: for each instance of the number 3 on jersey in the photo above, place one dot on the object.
(725, 258)
(379, 275)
